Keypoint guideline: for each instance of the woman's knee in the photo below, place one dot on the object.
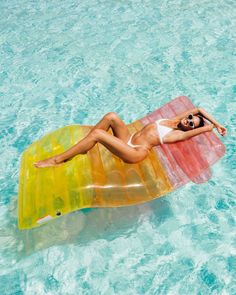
(97, 133)
(112, 116)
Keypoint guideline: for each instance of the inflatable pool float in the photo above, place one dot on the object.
(101, 179)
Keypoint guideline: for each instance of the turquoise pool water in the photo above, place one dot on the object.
(67, 62)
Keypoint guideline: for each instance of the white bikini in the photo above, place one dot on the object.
(133, 145)
(161, 129)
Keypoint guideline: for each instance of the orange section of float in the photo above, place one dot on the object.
(97, 179)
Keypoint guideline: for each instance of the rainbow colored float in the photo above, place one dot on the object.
(101, 179)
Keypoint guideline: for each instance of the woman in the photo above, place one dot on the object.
(134, 148)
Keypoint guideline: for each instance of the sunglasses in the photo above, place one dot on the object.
(190, 121)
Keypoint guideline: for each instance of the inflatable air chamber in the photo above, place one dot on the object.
(101, 179)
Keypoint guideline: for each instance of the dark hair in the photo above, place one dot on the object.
(201, 123)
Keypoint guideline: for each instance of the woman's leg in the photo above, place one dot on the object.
(111, 119)
(114, 144)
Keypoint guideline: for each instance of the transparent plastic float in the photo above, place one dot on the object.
(101, 179)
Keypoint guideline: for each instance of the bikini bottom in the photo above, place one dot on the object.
(133, 145)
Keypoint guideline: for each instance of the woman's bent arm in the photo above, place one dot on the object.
(182, 115)
(221, 129)
(197, 131)
(208, 117)
(183, 135)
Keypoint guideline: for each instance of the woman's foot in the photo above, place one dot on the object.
(47, 163)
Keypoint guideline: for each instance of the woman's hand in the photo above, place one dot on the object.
(221, 129)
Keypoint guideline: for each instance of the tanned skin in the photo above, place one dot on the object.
(148, 137)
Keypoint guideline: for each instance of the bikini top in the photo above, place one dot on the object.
(162, 130)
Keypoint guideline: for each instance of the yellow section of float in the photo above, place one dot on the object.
(96, 179)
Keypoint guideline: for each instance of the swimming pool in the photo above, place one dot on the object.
(63, 63)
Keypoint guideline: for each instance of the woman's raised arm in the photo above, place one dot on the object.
(199, 130)
(221, 129)
(183, 135)
(182, 115)
(208, 117)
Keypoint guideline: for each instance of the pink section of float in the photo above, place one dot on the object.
(186, 160)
